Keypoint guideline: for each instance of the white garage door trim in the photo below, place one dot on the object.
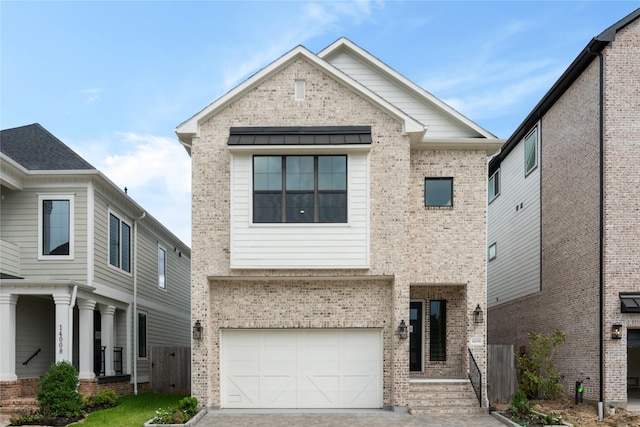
(301, 368)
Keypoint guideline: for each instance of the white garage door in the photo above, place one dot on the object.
(301, 368)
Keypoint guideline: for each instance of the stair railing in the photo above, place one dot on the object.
(32, 356)
(475, 376)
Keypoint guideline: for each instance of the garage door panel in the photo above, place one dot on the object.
(337, 368)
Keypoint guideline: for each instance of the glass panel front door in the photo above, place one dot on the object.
(415, 336)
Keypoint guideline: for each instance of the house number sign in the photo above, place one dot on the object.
(60, 340)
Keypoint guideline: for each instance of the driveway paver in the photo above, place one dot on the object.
(236, 418)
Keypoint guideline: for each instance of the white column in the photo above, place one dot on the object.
(8, 337)
(62, 343)
(107, 320)
(85, 335)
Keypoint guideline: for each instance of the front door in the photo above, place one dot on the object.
(415, 336)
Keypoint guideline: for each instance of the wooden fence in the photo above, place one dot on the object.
(502, 382)
(170, 369)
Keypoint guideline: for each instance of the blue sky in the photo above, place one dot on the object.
(113, 79)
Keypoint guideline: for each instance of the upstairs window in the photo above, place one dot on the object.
(119, 243)
(531, 151)
(494, 185)
(56, 227)
(162, 268)
(300, 189)
(438, 192)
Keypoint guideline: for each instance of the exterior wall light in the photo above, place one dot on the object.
(478, 315)
(197, 331)
(616, 331)
(403, 330)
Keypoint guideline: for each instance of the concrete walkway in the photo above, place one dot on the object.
(374, 418)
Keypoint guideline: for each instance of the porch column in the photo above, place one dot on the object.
(63, 342)
(106, 320)
(85, 335)
(8, 337)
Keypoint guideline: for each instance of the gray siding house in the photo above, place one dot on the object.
(339, 237)
(564, 222)
(86, 275)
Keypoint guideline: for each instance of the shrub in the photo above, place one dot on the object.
(105, 398)
(520, 405)
(189, 405)
(26, 418)
(58, 393)
(187, 408)
(539, 378)
(101, 400)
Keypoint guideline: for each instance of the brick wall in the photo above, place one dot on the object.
(622, 197)
(569, 299)
(305, 302)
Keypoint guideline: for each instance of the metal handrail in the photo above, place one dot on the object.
(32, 356)
(475, 376)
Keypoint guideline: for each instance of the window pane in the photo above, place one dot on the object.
(114, 240)
(126, 247)
(267, 173)
(299, 173)
(56, 226)
(531, 155)
(267, 207)
(142, 335)
(438, 192)
(437, 330)
(494, 185)
(300, 207)
(332, 173)
(162, 268)
(332, 207)
(492, 251)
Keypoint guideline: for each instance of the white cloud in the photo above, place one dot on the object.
(91, 95)
(315, 18)
(155, 170)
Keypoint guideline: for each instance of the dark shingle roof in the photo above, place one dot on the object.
(34, 148)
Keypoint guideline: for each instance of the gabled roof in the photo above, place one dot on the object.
(34, 148)
(571, 74)
(345, 45)
(189, 128)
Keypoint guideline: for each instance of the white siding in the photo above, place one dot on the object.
(19, 222)
(34, 330)
(515, 272)
(300, 245)
(10, 256)
(438, 122)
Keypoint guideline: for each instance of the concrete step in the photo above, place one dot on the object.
(443, 397)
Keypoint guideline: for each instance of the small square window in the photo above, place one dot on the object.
(438, 192)
(493, 251)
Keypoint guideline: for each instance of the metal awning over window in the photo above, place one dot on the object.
(300, 135)
(630, 302)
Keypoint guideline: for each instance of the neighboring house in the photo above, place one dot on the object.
(87, 275)
(564, 220)
(337, 206)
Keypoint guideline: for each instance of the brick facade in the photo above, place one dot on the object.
(225, 298)
(570, 239)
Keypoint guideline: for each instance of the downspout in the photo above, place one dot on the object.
(135, 302)
(601, 238)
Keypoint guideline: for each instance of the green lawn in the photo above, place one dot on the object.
(132, 411)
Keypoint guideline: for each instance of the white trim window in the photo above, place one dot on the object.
(493, 251)
(142, 335)
(162, 268)
(119, 243)
(531, 151)
(494, 185)
(55, 226)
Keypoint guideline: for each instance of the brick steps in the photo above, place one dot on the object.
(19, 404)
(443, 397)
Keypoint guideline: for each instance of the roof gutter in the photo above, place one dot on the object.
(588, 54)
